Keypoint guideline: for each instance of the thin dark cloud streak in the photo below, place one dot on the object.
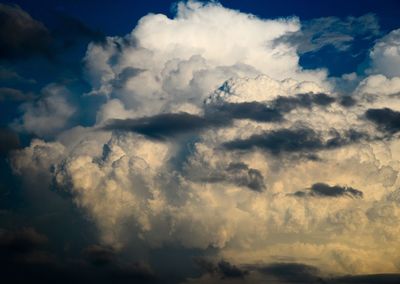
(295, 140)
(167, 125)
(325, 190)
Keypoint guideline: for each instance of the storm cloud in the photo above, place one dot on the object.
(203, 132)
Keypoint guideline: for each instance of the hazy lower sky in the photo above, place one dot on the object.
(199, 142)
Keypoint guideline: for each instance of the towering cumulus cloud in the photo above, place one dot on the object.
(212, 135)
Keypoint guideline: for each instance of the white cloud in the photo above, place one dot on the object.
(385, 55)
(49, 114)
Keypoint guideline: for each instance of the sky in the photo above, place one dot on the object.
(199, 141)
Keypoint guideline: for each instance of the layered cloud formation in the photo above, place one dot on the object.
(212, 135)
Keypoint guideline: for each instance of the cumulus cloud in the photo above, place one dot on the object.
(49, 114)
(385, 55)
(256, 127)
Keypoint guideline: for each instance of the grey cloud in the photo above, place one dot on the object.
(286, 104)
(8, 76)
(287, 272)
(236, 173)
(125, 75)
(272, 111)
(367, 279)
(302, 140)
(292, 272)
(325, 190)
(347, 101)
(249, 110)
(223, 269)
(11, 94)
(339, 33)
(384, 118)
(167, 125)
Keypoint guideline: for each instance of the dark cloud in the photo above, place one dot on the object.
(287, 273)
(21, 36)
(235, 173)
(286, 104)
(71, 29)
(300, 140)
(292, 272)
(325, 190)
(347, 101)
(25, 258)
(228, 270)
(162, 126)
(272, 111)
(223, 268)
(242, 175)
(167, 125)
(99, 255)
(385, 118)
(9, 141)
(22, 241)
(249, 110)
(367, 279)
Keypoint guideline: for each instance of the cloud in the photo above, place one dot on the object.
(293, 272)
(167, 125)
(287, 104)
(48, 114)
(11, 94)
(23, 241)
(99, 255)
(9, 141)
(292, 141)
(339, 33)
(71, 29)
(8, 76)
(325, 190)
(285, 273)
(223, 268)
(385, 55)
(215, 76)
(384, 118)
(379, 85)
(236, 173)
(21, 36)
(249, 110)
(27, 250)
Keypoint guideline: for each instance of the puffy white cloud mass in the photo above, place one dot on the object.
(385, 55)
(213, 136)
